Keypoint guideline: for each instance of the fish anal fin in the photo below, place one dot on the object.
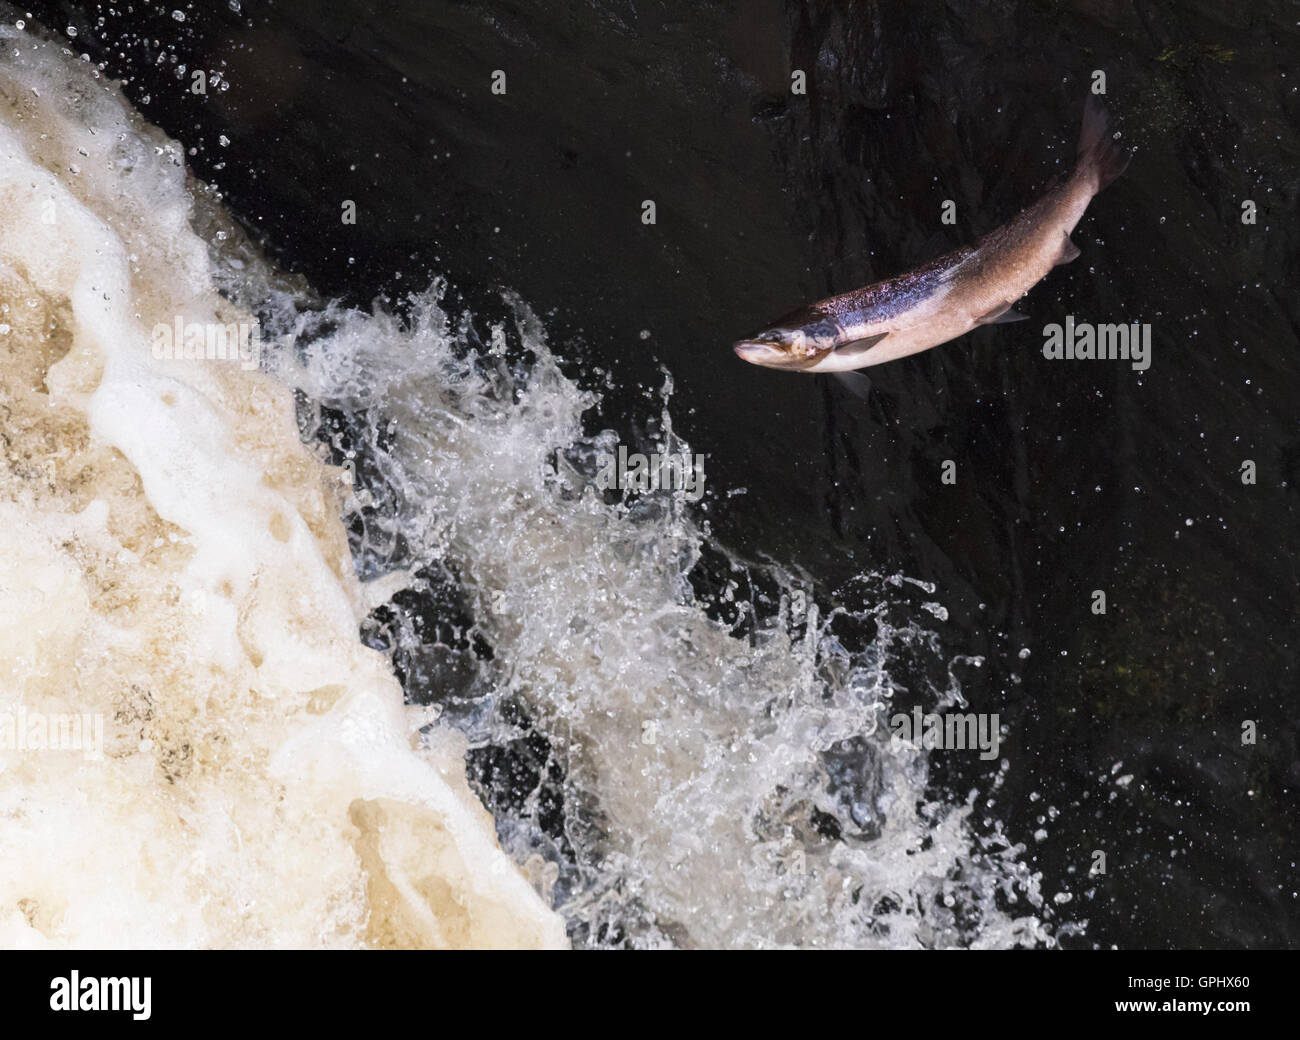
(858, 346)
(1000, 315)
(1069, 251)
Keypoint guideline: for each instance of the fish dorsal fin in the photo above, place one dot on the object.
(960, 259)
(858, 346)
(1069, 251)
(1000, 315)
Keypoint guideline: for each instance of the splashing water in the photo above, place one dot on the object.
(689, 760)
(177, 588)
(678, 747)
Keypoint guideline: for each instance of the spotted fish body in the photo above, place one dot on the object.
(949, 296)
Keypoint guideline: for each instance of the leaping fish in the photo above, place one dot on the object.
(946, 298)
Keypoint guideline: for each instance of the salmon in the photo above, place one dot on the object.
(959, 291)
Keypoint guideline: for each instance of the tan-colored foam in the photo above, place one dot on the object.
(174, 564)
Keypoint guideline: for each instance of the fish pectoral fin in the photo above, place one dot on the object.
(1069, 251)
(858, 346)
(1000, 315)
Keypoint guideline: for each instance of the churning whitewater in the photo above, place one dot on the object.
(179, 567)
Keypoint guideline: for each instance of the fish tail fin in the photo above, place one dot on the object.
(1101, 157)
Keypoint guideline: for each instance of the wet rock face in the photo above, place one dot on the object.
(1072, 476)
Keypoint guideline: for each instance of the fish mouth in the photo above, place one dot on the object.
(759, 353)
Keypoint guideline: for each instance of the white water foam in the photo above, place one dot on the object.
(260, 788)
(174, 566)
(693, 759)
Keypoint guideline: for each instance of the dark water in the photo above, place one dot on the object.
(1072, 476)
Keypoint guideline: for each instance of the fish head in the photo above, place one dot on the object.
(798, 341)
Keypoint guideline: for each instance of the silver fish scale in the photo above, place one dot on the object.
(895, 296)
